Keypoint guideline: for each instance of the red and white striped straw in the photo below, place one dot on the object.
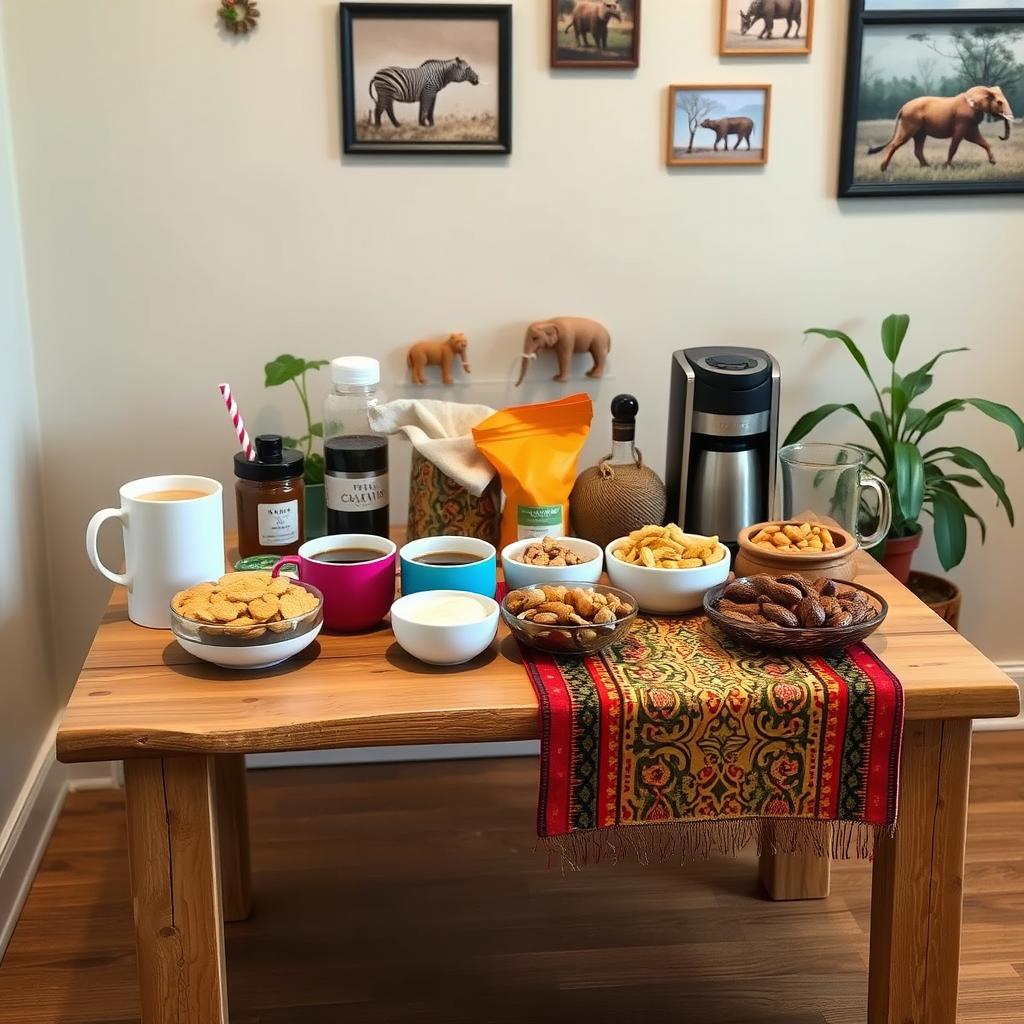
(236, 421)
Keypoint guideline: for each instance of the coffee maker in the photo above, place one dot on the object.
(723, 427)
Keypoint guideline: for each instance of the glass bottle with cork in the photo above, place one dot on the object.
(270, 498)
(356, 459)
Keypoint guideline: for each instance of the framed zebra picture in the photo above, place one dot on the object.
(755, 28)
(426, 78)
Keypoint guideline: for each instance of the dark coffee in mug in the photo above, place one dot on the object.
(347, 556)
(448, 558)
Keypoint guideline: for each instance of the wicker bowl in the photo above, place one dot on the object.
(797, 641)
(752, 559)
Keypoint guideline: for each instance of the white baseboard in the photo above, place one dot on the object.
(1015, 670)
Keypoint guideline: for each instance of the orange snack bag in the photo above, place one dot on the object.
(534, 448)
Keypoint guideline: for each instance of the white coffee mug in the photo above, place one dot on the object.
(169, 543)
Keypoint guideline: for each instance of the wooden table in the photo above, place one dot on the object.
(183, 728)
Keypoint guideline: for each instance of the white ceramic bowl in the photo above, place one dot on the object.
(443, 644)
(665, 591)
(519, 574)
(251, 658)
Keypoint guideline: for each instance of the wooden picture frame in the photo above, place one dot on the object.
(735, 109)
(565, 55)
(878, 24)
(421, 109)
(734, 42)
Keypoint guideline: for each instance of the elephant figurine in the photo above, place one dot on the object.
(437, 353)
(567, 336)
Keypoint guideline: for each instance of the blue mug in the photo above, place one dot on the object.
(449, 563)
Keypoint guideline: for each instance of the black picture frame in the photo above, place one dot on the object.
(913, 16)
(501, 14)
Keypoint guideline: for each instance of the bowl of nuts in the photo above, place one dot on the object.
(791, 613)
(573, 619)
(551, 560)
(810, 549)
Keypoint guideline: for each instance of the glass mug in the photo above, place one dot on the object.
(829, 480)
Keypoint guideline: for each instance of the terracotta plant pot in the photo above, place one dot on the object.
(898, 554)
(941, 595)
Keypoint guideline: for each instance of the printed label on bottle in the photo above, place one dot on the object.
(356, 492)
(540, 521)
(278, 523)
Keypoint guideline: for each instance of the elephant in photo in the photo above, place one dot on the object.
(947, 117)
(567, 336)
(723, 127)
(592, 17)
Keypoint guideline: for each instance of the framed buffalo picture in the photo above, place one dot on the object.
(931, 90)
(426, 78)
(595, 33)
(718, 125)
(754, 28)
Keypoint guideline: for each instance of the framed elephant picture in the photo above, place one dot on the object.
(595, 33)
(426, 78)
(756, 28)
(931, 91)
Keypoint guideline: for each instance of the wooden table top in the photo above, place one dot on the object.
(139, 694)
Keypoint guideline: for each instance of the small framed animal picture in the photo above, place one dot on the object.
(931, 91)
(753, 28)
(718, 125)
(595, 33)
(426, 78)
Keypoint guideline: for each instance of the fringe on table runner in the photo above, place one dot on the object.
(687, 841)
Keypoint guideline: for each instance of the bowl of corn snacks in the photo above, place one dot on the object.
(668, 571)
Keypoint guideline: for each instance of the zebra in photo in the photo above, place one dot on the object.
(417, 85)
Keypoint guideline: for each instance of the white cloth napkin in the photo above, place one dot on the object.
(440, 432)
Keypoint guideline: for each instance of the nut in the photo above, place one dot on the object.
(740, 591)
(810, 613)
(795, 580)
(840, 620)
(779, 615)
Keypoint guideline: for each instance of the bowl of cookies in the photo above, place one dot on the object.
(791, 613)
(551, 560)
(569, 619)
(811, 549)
(669, 571)
(247, 620)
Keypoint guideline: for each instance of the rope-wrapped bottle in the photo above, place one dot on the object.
(620, 493)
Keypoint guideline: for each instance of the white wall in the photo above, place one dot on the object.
(188, 216)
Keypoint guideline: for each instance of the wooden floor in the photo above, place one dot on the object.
(412, 893)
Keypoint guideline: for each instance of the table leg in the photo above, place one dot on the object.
(917, 883)
(795, 876)
(233, 832)
(175, 878)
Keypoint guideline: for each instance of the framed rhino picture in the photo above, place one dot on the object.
(754, 28)
(426, 77)
(933, 89)
(718, 125)
(595, 33)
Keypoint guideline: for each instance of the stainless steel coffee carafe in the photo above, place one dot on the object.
(722, 439)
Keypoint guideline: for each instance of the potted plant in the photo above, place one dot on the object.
(290, 368)
(923, 481)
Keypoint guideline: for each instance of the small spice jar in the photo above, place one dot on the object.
(270, 497)
(356, 484)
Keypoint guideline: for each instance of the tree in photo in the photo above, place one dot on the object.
(982, 55)
(696, 106)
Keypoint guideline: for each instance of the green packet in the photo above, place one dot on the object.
(264, 563)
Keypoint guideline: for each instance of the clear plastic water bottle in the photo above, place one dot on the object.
(355, 388)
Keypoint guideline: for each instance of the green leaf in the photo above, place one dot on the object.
(314, 472)
(292, 442)
(315, 364)
(851, 347)
(894, 330)
(900, 400)
(934, 417)
(283, 369)
(918, 381)
(964, 507)
(1002, 414)
(950, 530)
(970, 460)
(913, 418)
(316, 429)
(810, 420)
(909, 479)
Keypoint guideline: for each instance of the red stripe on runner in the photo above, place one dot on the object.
(835, 736)
(608, 742)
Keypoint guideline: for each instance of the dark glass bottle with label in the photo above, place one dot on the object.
(356, 484)
(270, 498)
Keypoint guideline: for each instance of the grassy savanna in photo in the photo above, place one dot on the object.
(745, 26)
(455, 127)
(718, 125)
(925, 89)
(595, 32)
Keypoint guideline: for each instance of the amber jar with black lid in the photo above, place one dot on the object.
(271, 498)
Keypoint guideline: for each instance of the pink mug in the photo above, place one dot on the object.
(356, 574)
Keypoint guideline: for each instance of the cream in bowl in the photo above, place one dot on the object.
(444, 627)
(551, 560)
(668, 571)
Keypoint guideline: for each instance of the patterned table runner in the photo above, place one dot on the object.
(679, 742)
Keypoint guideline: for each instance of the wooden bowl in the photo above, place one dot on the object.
(752, 559)
(796, 641)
